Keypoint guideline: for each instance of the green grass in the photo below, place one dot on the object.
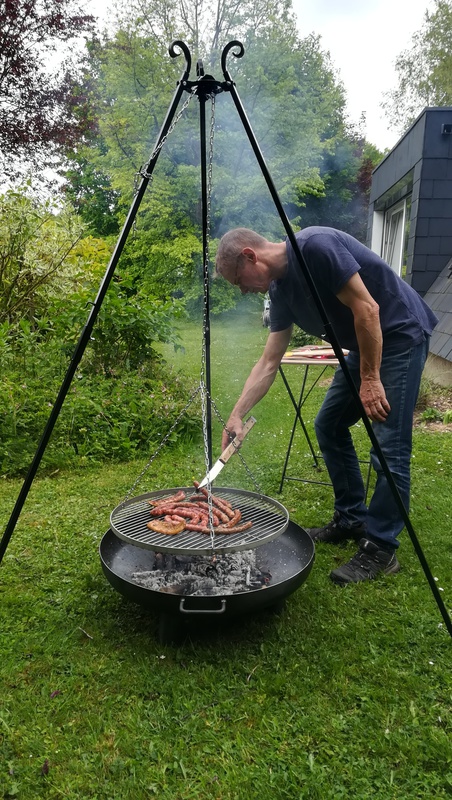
(346, 693)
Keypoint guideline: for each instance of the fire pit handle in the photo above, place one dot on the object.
(184, 610)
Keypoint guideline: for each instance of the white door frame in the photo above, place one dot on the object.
(394, 235)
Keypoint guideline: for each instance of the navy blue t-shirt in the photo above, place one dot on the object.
(332, 258)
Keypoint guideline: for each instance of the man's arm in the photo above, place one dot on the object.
(258, 382)
(370, 341)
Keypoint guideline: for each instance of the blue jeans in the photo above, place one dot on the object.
(401, 375)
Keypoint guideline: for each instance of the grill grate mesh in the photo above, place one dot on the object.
(270, 519)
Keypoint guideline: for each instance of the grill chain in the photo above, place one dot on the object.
(245, 465)
(202, 388)
(162, 443)
(143, 173)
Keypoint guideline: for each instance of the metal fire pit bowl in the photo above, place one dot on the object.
(270, 519)
(289, 560)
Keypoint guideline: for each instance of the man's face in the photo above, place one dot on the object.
(248, 275)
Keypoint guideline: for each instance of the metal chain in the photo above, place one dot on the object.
(142, 172)
(204, 393)
(163, 442)
(202, 389)
(245, 465)
(207, 243)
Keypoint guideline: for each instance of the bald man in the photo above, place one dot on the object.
(386, 326)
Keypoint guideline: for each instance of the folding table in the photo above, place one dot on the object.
(321, 358)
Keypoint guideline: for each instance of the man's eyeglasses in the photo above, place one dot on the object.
(236, 276)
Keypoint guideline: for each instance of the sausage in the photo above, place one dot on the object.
(199, 528)
(157, 511)
(205, 506)
(236, 529)
(194, 514)
(235, 519)
(173, 498)
(223, 505)
(187, 510)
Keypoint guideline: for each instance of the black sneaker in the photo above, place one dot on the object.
(366, 564)
(333, 533)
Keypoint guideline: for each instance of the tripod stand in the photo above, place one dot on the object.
(207, 87)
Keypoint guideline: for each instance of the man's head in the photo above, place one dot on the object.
(230, 249)
(246, 259)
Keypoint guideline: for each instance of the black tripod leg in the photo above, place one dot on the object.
(330, 333)
(87, 330)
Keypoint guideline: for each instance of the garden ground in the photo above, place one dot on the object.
(346, 693)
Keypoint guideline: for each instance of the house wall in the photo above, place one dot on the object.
(433, 228)
(421, 165)
(438, 370)
(397, 176)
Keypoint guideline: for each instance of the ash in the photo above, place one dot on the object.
(204, 575)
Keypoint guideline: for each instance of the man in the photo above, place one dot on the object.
(386, 326)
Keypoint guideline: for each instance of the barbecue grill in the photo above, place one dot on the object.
(127, 542)
(287, 561)
(131, 553)
(269, 518)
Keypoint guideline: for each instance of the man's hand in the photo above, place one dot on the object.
(234, 427)
(374, 400)
(366, 319)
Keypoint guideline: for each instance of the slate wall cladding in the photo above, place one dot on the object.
(427, 152)
(439, 298)
(433, 232)
(421, 165)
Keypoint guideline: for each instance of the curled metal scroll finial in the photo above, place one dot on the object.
(225, 54)
(174, 54)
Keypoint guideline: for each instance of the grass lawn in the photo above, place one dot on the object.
(345, 694)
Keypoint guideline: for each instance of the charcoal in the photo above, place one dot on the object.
(199, 576)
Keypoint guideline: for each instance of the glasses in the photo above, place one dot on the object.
(236, 275)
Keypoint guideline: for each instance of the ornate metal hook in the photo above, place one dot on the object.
(174, 54)
(225, 54)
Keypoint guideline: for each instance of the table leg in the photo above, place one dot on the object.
(298, 418)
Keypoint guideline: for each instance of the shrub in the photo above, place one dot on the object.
(431, 415)
(302, 339)
(102, 418)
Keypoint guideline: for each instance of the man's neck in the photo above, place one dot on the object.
(277, 259)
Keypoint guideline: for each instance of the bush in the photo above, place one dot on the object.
(124, 398)
(302, 339)
(101, 418)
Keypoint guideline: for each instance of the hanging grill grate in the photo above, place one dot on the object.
(270, 519)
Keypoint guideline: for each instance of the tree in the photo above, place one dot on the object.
(296, 107)
(346, 176)
(35, 244)
(287, 86)
(206, 25)
(424, 70)
(37, 67)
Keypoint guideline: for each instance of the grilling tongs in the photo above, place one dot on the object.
(226, 454)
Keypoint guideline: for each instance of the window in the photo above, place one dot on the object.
(395, 234)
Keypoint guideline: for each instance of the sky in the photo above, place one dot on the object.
(364, 38)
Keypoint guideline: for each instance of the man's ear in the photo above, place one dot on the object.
(250, 254)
